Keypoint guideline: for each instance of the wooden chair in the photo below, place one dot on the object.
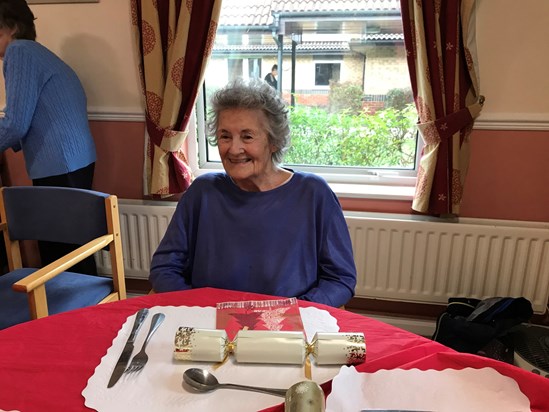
(85, 218)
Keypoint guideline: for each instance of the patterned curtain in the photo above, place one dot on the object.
(440, 46)
(174, 39)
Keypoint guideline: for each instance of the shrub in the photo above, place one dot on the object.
(345, 97)
(399, 98)
(386, 139)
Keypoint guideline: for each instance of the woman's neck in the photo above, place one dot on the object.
(277, 178)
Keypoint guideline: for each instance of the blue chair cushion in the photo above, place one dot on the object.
(14, 306)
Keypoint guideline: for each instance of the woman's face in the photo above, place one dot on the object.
(244, 147)
(6, 36)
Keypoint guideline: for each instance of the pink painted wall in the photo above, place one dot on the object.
(119, 166)
(508, 175)
(120, 151)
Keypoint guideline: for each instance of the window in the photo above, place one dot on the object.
(326, 73)
(352, 113)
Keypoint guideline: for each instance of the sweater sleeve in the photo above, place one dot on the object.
(23, 86)
(336, 267)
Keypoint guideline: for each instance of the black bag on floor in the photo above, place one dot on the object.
(480, 326)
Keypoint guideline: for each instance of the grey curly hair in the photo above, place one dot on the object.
(253, 94)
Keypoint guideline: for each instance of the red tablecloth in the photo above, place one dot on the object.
(45, 364)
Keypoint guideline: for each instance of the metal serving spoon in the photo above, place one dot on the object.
(203, 381)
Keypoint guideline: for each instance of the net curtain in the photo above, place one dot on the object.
(174, 39)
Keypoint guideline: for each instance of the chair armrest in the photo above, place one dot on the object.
(3, 226)
(48, 272)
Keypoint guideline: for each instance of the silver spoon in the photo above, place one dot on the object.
(203, 381)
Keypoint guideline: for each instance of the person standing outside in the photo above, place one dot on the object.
(45, 113)
(271, 77)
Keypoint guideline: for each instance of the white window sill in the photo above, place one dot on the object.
(380, 186)
(368, 191)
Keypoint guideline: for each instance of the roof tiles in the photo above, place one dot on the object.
(259, 12)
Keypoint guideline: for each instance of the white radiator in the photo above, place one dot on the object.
(142, 224)
(418, 259)
(398, 257)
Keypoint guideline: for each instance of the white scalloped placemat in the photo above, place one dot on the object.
(159, 386)
(448, 390)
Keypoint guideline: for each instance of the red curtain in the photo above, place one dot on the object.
(174, 40)
(441, 53)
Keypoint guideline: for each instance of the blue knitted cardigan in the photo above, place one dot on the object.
(45, 113)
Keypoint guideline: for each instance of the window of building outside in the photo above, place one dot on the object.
(326, 73)
(341, 68)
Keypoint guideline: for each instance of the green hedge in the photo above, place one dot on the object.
(386, 139)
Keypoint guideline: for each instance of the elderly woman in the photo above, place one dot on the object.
(258, 227)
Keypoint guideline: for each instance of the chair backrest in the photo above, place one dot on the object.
(50, 213)
(85, 218)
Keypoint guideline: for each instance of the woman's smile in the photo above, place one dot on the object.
(239, 160)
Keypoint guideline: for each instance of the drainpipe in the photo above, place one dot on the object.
(279, 40)
(363, 71)
(296, 39)
(292, 91)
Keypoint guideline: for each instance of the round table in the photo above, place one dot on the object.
(45, 364)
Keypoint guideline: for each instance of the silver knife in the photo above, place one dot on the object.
(128, 348)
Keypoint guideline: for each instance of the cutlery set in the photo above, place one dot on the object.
(306, 396)
(139, 361)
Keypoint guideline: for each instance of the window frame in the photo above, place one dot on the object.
(357, 182)
(325, 63)
(368, 184)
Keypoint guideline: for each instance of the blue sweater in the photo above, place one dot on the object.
(46, 114)
(289, 241)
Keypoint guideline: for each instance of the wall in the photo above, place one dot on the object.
(508, 177)
(388, 63)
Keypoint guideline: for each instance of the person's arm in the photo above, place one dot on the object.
(337, 274)
(336, 266)
(23, 84)
(170, 260)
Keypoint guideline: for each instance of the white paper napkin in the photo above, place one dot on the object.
(449, 390)
(159, 386)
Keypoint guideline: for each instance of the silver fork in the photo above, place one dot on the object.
(138, 362)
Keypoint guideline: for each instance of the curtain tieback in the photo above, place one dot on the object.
(445, 127)
(167, 139)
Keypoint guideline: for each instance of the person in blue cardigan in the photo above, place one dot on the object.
(258, 226)
(45, 114)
